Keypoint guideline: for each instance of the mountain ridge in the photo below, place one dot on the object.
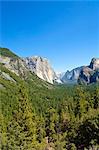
(42, 68)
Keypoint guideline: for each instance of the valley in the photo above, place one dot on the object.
(37, 113)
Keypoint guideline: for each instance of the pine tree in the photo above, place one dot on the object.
(41, 133)
(96, 98)
(3, 134)
(21, 129)
(40, 129)
(81, 104)
(51, 121)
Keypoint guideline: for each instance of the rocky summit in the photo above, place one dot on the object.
(90, 74)
(83, 75)
(94, 65)
(22, 66)
(42, 68)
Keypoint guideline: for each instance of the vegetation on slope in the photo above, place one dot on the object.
(7, 53)
(36, 115)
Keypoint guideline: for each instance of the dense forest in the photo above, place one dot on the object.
(36, 115)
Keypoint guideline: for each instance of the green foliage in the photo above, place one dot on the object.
(3, 133)
(7, 53)
(21, 130)
(80, 98)
(33, 110)
(96, 98)
(88, 131)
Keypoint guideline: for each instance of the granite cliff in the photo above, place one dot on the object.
(42, 68)
(22, 66)
(83, 75)
(90, 74)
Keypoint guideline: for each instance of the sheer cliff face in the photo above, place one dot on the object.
(85, 74)
(41, 67)
(94, 65)
(90, 74)
(71, 76)
(38, 65)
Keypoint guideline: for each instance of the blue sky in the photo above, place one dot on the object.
(67, 32)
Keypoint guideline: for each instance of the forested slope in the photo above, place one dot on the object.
(36, 115)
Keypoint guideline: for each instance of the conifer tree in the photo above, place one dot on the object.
(3, 134)
(41, 128)
(51, 121)
(41, 133)
(21, 129)
(96, 98)
(81, 104)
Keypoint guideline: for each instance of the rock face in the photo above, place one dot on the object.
(94, 65)
(6, 76)
(16, 65)
(22, 66)
(90, 74)
(71, 76)
(84, 74)
(41, 67)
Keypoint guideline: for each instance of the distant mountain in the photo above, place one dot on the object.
(82, 75)
(41, 67)
(71, 76)
(94, 64)
(23, 66)
(90, 74)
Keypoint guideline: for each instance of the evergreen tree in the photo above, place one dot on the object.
(51, 121)
(3, 134)
(96, 98)
(41, 133)
(81, 104)
(40, 129)
(21, 129)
